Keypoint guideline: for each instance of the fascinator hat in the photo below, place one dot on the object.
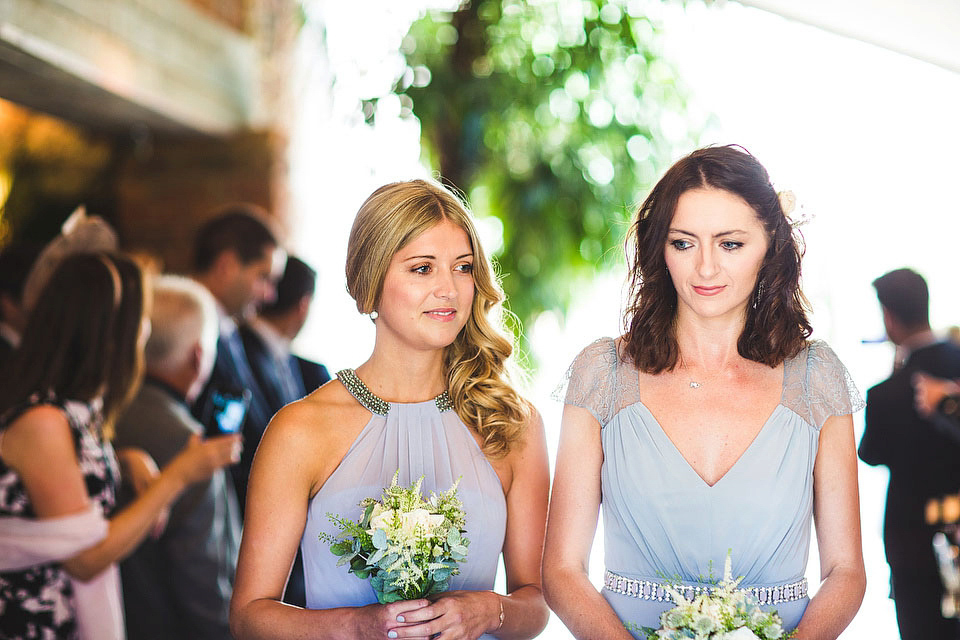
(79, 234)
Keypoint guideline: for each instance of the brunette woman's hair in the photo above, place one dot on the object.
(478, 361)
(776, 326)
(82, 337)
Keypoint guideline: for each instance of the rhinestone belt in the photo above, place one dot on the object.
(648, 590)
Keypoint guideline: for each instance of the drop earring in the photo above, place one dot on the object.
(756, 300)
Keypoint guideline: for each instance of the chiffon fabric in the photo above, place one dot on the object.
(416, 439)
(663, 523)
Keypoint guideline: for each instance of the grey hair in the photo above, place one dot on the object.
(182, 313)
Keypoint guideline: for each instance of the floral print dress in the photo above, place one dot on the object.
(38, 602)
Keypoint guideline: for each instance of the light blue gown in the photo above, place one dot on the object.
(662, 522)
(419, 439)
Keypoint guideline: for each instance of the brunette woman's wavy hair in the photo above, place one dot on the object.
(477, 364)
(82, 337)
(777, 327)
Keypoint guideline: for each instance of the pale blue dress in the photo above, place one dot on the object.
(419, 439)
(662, 522)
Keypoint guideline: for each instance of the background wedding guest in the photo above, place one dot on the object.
(78, 363)
(922, 459)
(237, 258)
(15, 262)
(712, 391)
(283, 376)
(433, 401)
(178, 584)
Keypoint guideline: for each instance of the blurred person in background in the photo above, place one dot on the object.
(283, 376)
(78, 364)
(178, 584)
(922, 459)
(15, 263)
(236, 256)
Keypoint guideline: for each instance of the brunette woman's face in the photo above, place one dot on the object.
(428, 290)
(715, 248)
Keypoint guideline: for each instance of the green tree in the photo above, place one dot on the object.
(554, 117)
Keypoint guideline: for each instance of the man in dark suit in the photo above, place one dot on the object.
(178, 585)
(924, 463)
(237, 258)
(283, 376)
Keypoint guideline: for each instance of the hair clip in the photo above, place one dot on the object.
(788, 202)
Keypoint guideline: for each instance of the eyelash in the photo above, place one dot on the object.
(683, 245)
(423, 269)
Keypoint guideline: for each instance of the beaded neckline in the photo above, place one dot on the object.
(374, 403)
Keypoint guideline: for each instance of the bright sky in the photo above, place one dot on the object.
(865, 138)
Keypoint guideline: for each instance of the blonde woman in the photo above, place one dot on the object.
(433, 399)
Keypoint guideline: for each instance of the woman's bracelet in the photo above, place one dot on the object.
(500, 600)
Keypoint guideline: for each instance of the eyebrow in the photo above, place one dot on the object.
(716, 235)
(428, 257)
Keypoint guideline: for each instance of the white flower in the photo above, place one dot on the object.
(421, 518)
(712, 610)
(740, 634)
(381, 518)
(788, 202)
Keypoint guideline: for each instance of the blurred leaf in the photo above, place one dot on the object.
(553, 117)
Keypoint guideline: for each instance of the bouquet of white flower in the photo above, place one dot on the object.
(406, 546)
(725, 613)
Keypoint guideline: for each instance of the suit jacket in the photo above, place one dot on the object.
(285, 378)
(231, 369)
(924, 462)
(314, 374)
(179, 585)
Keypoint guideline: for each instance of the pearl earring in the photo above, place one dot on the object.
(373, 315)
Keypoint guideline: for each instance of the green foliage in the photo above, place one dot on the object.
(407, 547)
(554, 117)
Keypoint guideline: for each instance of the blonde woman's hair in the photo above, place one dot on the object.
(477, 364)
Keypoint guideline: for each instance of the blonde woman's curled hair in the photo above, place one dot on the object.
(477, 363)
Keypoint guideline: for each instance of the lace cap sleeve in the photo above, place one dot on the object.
(820, 386)
(590, 381)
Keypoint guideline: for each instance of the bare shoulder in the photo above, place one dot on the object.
(527, 454)
(318, 413)
(316, 431)
(40, 428)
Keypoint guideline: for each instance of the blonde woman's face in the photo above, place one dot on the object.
(428, 289)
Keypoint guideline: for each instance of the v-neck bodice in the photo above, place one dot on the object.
(417, 439)
(663, 521)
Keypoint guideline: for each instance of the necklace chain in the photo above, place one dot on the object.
(696, 384)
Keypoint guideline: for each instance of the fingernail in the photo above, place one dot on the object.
(401, 619)
(392, 634)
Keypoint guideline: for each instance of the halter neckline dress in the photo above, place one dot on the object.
(417, 439)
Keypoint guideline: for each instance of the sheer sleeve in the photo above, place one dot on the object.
(591, 380)
(819, 386)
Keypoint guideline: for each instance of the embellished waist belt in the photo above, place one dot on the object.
(648, 590)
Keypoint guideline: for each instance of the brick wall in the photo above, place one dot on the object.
(166, 192)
